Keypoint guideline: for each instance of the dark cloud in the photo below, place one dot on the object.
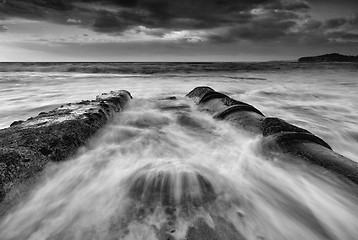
(221, 20)
(108, 22)
(342, 29)
(350, 21)
(345, 36)
(311, 25)
(125, 3)
(255, 31)
(21, 9)
(54, 4)
(333, 1)
(53, 10)
(335, 22)
(258, 32)
(150, 13)
(290, 5)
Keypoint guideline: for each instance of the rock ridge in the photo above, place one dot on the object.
(26, 147)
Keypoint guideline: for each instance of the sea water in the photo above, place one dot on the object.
(161, 165)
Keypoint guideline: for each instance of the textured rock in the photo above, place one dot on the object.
(237, 108)
(319, 155)
(223, 107)
(278, 135)
(27, 146)
(197, 93)
(170, 187)
(223, 230)
(281, 131)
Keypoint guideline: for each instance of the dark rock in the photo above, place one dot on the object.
(283, 140)
(280, 137)
(272, 126)
(247, 120)
(211, 95)
(227, 101)
(16, 123)
(245, 116)
(282, 132)
(237, 108)
(223, 230)
(18, 163)
(197, 93)
(318, 155)
(333, 57)
(27, 146)
(224, 107)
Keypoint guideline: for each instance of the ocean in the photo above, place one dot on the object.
(85, 197)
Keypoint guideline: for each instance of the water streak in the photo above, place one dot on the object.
(161, 167)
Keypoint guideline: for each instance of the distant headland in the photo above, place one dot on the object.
(332, 57)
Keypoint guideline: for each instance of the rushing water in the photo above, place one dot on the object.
(162, 165)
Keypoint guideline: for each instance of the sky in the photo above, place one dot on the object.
(175, 30)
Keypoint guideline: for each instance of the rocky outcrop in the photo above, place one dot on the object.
(27, 146)
(278, 135)
(333, 57)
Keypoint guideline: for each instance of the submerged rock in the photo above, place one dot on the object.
(27, 146)
(170, 186)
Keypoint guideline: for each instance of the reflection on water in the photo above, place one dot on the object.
(150, 174)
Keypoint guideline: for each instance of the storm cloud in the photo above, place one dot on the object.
(148, 13)
(208, 20)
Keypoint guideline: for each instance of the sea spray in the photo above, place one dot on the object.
(162, 169)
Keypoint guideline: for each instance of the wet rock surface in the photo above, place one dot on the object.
(223, 230)
(197, 93)
(27, 146)
(168, 187)
(281, 131)
(237, 108)
(278, 135)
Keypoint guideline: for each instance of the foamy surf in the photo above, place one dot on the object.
(163, 170)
